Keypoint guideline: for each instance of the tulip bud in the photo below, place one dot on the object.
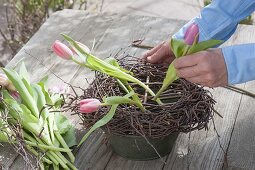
(191, 33)
(62, 50)
(89, 105)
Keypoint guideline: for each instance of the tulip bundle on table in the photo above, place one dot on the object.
(135, 93)
(30, 120)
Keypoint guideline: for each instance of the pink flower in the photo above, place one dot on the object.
(58, 89)
(15, 95)
(89, 105)
(62, 50)
(191, 33)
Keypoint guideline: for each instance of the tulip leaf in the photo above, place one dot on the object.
(23, 90)
(23, 71)
(62, 123)
(100, 122)
(178, 47)
(203, 46)
(115, 63)
(169, 78)
(45, 92)
(118, 100)
(41, 101)
(124, 83)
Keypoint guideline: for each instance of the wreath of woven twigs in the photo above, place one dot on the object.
(187, 106)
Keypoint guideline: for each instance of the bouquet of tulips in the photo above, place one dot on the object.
(30, 119)
(81, 55)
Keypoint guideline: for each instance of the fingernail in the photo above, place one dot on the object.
(148, 58)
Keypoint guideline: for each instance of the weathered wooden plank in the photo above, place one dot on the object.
(241, 151)
(205, 150)
(7, 156)
(117, 163)
(164, 8)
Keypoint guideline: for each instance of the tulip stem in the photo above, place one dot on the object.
(80, 63)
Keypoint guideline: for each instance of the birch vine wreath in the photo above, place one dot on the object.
(130, 97)
(186, 106)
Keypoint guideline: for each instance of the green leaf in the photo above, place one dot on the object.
(28, 86)
(3, 136)
(100, 123)
(41, 102)
(46, 93)
(62, 123)
(4, 131)
(115, 63)
(203, 46)
(23, 90)
(169, 78)
(178, 47)
(44, 80)
(123, 83)
(23, 71)
(118, 100)
(57, 100)
(70, 137)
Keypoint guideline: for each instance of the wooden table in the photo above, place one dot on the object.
(113, 35)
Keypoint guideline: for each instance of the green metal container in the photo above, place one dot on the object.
(137, 148)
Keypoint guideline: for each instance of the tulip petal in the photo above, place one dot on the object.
(191, 33)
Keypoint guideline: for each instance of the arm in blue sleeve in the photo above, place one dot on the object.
(219, 21)
(240, 61)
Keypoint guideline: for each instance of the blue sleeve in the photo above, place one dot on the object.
(240, 61)
(219, 21)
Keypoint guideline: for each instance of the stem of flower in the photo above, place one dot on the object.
(63, 143)
(47, 147)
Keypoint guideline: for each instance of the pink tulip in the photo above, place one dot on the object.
(89, 105)
(191, 33)
(15, 95)
(62, 50)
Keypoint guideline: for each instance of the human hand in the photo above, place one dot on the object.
(161, 54)
(207, 68)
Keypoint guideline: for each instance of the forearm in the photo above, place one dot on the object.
(219, 19)
(240, 61)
